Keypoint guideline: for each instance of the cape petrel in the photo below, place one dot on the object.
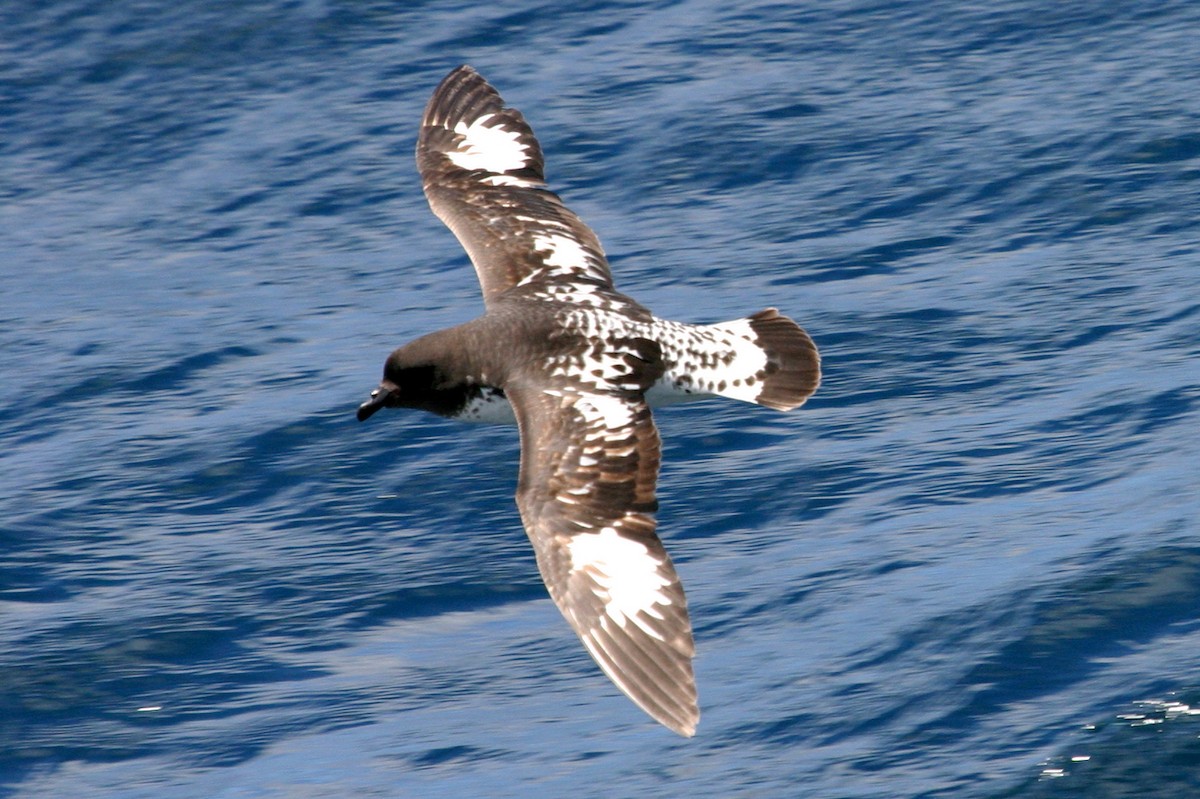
(577, 365)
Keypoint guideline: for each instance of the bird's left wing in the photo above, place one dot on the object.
(482, 170)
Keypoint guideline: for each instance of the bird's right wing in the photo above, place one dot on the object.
(589, 463)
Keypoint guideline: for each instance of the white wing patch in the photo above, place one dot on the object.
(612, 413)
(565, 253)
(627, 577)
(490, 149)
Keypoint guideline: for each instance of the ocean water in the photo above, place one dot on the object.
(969, 567)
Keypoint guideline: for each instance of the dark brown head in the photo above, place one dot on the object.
(405, 384)
(420, 384)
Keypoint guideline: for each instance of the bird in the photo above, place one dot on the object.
(577, 366)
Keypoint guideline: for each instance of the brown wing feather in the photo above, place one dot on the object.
(482, 169)
(589, 463)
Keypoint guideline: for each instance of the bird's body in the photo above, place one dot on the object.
(577, 365)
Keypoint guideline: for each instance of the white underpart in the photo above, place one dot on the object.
(491, 149)
(489, 408)
(627, 576)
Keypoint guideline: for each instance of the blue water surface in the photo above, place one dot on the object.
(969, 567)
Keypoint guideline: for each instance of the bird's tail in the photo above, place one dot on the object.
(783, 368)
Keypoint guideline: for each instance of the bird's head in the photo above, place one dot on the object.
(405, 385)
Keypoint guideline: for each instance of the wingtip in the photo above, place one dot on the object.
(658, 679)
(685, 727)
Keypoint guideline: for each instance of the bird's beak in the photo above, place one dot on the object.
(379, 398)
